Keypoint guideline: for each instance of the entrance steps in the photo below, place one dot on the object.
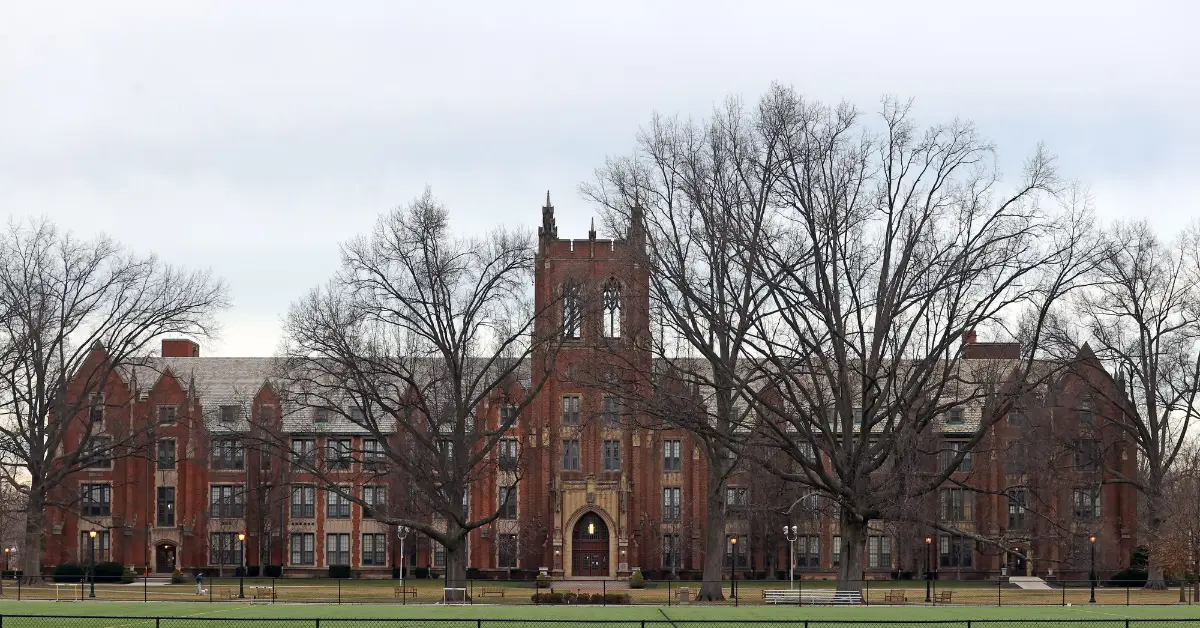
(1030, 583)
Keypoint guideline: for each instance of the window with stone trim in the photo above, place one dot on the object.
(611, 311)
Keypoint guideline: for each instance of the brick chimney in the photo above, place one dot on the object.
(179, 348)
(972, 349)
(969, 337)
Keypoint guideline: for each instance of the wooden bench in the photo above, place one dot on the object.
(262, 593)
(895, 596)
(492, 591)
(796, 596)
(225, 593)
(404, 592)
(942, 597)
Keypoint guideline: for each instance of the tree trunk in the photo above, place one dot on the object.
(35, 530)
(714, 538)
(456, 572)
(1154, 570)
(854, 541)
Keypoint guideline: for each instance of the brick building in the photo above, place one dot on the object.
(598, 497)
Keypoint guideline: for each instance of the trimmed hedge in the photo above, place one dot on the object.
(339, 571)
(273, 571)
(570, 597)
(69, 572)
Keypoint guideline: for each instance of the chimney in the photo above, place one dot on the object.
(969, 337)
(179, 348)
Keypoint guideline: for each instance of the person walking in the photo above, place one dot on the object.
(199, 583)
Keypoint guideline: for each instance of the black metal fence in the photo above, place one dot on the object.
(79, 621)
(602, 592)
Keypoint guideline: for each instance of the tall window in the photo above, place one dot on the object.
(1016, 509)
(836, 551)
(950, 451)
(612, 309)
(737, 553)
(572, 312)
(103, 546)
(671, 459)
(737, 496)
(671, 555)
(956, 551)
(570, 410)
(337, 549)
(1087, 415)
(1087, 503)
(507, 551)
(808, 552)
(339, 454)
(508, 454)
(879, 552)
(1087, 454)
(302, 452)
(166, 415)
(224, 549)
(228, 453)
(95, 500)
(671, 501)
(374, 550)
(166, 507)
(1016, 457)
(336, 505)
(304, 548)
(166, 453)
(570, 455)
(439, 555)
(508, 502)
(956, 504)
(612, 411)
(96, 410)
(226, 501)
(228, 414)
(304, 502)
(372, 456)
(98, 450)
(612, 455)
(375, 498)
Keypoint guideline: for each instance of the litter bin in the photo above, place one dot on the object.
(685, 595)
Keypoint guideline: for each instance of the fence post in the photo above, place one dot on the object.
(272, 590)
(999, 583)
(603, 593)
(146, 588)
(339, 590)
(668, 594)
(212, 585)
(318, 622)
(1064, 588)
(158, 622)
(867, 597)
(19, 588)
(1126, 594)
(478, 623)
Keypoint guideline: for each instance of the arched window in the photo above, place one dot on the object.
(611, 322)
(572, 315)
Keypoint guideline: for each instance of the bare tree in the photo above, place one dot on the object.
(417, 334)
(702, 193)
(1142, 320)
(75, 312)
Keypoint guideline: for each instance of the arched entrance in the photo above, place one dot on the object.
(589, 546)
(164, 558)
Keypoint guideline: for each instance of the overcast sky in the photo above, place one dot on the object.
(251, 137)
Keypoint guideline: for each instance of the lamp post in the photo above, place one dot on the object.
(242, 580)
(1092, 540)
(92, 552)
(928, 567)
(401, 532)
(789, 532)
(732, 562)
(6, 553)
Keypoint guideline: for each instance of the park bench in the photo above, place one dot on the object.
(404, 592)
(795, 596)
(225, 593)
(262, 593)
(492, 591)
(942, 597)
(895, 596)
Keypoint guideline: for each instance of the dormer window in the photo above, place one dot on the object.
(96, 410)
(954, 416)
(572, 312)
(611, 313)
(229, 414)
(321, 415)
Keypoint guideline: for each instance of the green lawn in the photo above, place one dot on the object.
(509, 612)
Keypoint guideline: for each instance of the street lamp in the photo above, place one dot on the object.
(242, 580)
(732, 562)
(789, 532)
(401, 532)
(92, 551)
(1092, 540)
(6, 554)
(928, 567)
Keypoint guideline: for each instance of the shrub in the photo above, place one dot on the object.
(273, 571)
(617, 598)
(128, 576)
(339, 571)
(637, 581)
(109, 572)
(177, 577)
(69, 572)
(1129, 577)
(252, 571)
(543, 580)
(473, 573)
(420, 572)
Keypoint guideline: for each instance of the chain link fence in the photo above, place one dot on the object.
(63, 621)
